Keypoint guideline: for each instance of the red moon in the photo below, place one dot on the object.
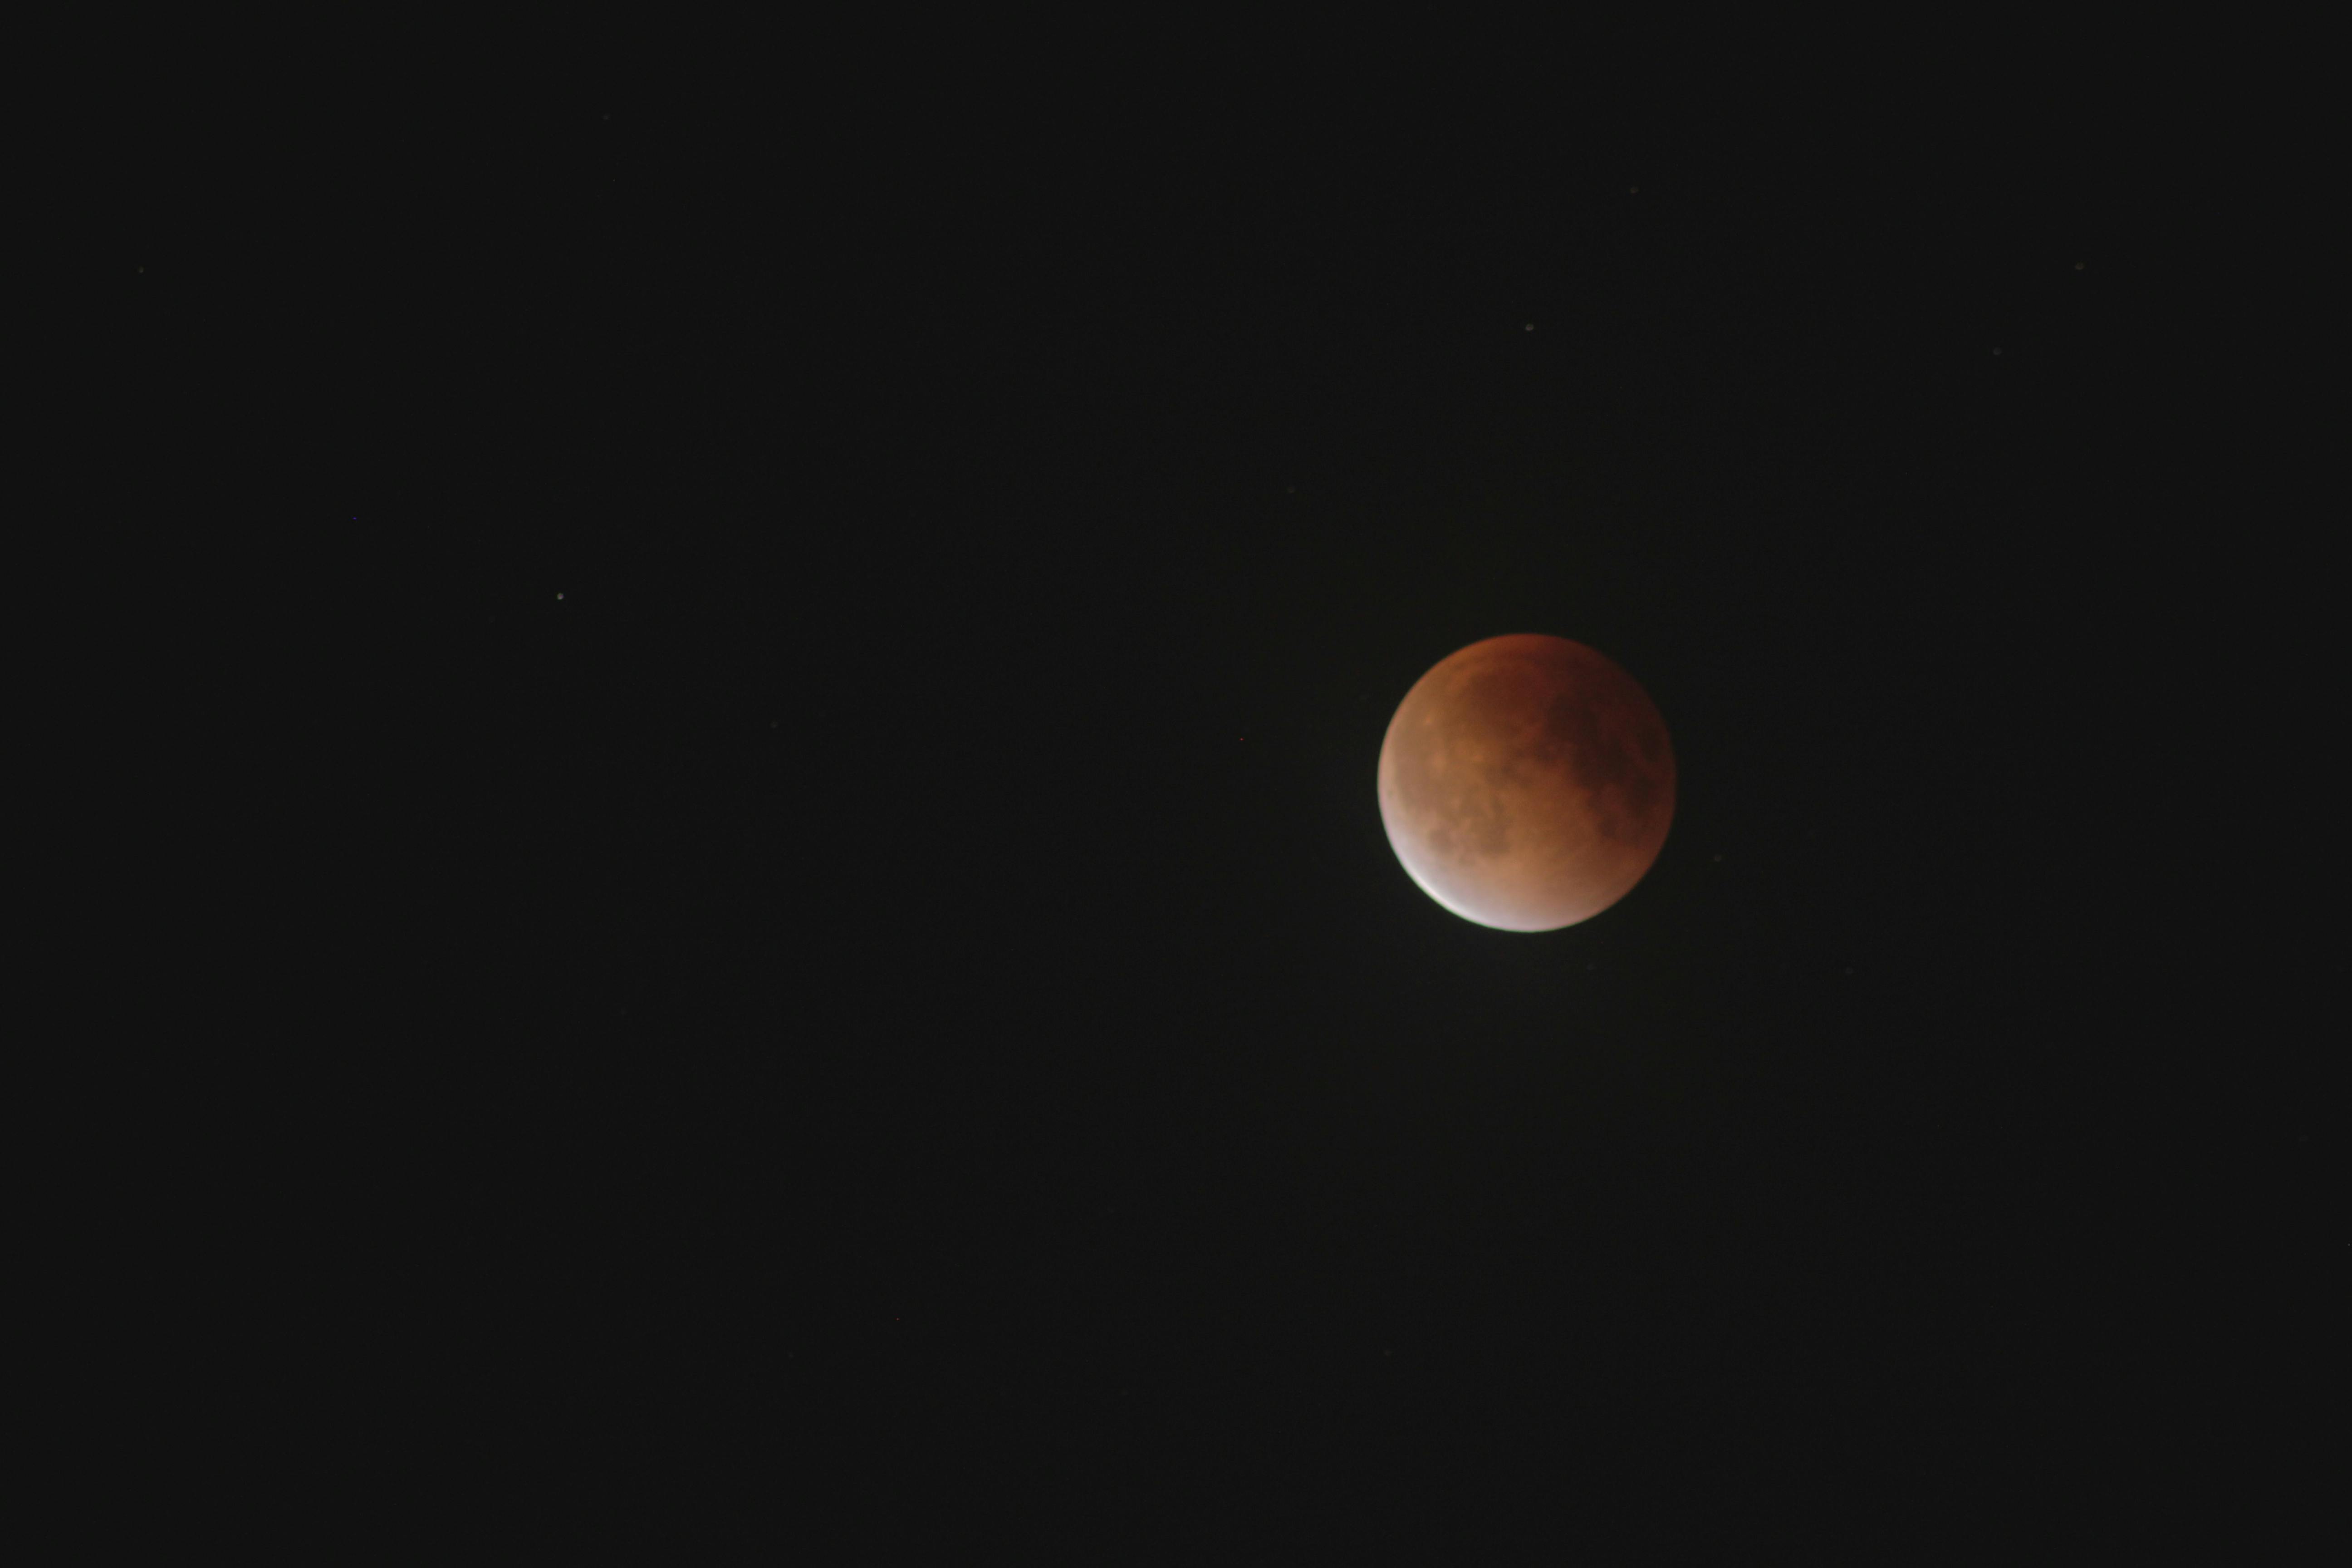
(1527, 783)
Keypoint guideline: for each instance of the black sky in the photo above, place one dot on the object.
(884, 1024)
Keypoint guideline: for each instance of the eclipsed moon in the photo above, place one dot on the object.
(1527, 783)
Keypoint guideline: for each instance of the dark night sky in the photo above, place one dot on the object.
(891, 1028)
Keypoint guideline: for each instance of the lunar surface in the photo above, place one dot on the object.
(1527, 783)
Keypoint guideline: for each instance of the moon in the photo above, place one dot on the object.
(1527, 783)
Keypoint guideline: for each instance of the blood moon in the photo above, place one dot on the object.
(1527, 783)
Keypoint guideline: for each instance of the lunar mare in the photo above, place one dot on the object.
(1527, 783)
